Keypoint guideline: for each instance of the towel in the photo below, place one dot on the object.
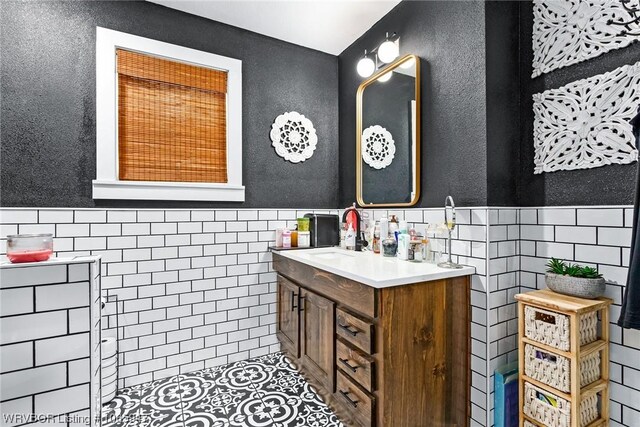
(630, 313)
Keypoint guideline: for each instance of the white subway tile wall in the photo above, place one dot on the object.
(195, 288)
(49, 347)
(503, 269)
(598, 236)
(186, 289)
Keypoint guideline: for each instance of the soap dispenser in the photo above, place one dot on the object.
(350, 238)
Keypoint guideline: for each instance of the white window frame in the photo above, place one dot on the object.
(107, 185)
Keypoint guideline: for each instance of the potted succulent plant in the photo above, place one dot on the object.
(573, 279)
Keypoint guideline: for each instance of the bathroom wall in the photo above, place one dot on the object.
(509, 247)
(47, 117)
(608, 185)
(449, 37)
(187, 289)
(597, 236)
(469, 94)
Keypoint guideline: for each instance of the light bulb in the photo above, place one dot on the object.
(385, 77)
(388, 51)
(408, 64)
(366, 67)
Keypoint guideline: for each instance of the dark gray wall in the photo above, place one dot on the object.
(503, 102)
(449, 37)
(607, 185)
(48, 102)
(388, 104)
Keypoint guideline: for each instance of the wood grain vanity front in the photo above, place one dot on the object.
(357, 331)
(288, 324)
(396, 356)
(361, 404)
(358, 366)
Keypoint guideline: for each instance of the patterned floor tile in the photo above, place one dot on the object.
(262, 392)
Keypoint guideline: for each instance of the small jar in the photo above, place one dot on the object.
(29, 247)
(286, 239)
(303, 224)
(304, 239)
(415, 250)
(294, 238)
(390, 247)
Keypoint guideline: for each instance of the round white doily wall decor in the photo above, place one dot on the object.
(293, 137)
(378, 147)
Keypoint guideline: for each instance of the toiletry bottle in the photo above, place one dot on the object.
(350, 238)
(376, 239)
(403, 247)
(403, 227)
(384, 229)
(343, 235)
(278, 237)
(393, 225)
(286, 238)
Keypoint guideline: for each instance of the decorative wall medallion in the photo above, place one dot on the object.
(378, 147)
(294, 137)
(566, 32)
(585, 124)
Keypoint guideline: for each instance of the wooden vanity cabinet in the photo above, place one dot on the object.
(396, 356)
(288, 320)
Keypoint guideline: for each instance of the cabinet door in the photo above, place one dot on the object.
(317, 337)
(288, 325)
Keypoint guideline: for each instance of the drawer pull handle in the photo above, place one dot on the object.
(301, 303)
(352, 402)
(345, 362)
(349, 329)
(294, 297)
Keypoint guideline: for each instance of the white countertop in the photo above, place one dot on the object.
(5, 263)
(372, 269)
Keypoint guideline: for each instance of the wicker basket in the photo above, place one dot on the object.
(537, 407)
(555, 370)
(529, 424)
(552, 328)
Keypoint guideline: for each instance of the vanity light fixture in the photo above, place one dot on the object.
(366, 66)
(408, 64)
(389, 50)
(386, 53)
(385, 77)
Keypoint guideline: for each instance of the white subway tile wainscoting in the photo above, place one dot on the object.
(50, 341)
(193, 289)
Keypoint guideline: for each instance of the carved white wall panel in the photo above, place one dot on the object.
(293, 137)
(585, 124)
(566, 32)
(378, 147)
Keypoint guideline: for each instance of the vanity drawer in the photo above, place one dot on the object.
(355, 330)
(359, 403)
(354, 364)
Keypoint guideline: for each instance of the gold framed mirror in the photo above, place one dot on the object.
(388, 136)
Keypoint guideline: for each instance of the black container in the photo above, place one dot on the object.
(325, 230)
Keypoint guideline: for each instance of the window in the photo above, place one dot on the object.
(168, 121)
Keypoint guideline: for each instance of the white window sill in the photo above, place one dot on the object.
(140, 190)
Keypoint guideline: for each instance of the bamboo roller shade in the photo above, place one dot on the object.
(172, 120)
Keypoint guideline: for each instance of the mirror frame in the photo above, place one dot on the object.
(416, 153)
